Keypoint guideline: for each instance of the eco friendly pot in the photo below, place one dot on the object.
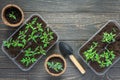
(55, 58)
(12, 15)
(28, 50)
(110, 26)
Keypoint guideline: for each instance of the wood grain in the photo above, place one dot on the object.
(75, 21)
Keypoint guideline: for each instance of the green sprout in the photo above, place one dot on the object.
(13, 43)
(34, 21)
(16, 43)
(40, 50)
(39, 26)
(27, 61)
(33, 36)
(46, 37)
(108, 37)
(21, 37)
(29, 58)
(12, 15)
(91, 52)
(29, 55)
(107, 57)
(7, 43)
(57, 66)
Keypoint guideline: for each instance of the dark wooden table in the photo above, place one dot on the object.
(75, 21)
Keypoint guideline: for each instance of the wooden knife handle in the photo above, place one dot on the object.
(77, 64)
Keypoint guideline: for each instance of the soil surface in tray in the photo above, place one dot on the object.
(110, 27)
(56, 59)
(17, 13)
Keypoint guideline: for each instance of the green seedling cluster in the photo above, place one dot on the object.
(104, 59)
(29, 56)
(108, 37)
(90, 53)
(47, 37)
(13, 43)
(12, 15)
(57, 66)
(36, 32)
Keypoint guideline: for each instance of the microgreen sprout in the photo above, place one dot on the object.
(30, 55)
(7, 43)
(57, 66)
(27, 61)
(108, 37)
(39, 26)
(12, 15)
(91, 52)
(46, 37)
(33, 36)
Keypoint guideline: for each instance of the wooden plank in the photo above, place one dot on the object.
(11, 79)
(71, 26)
(66, 5)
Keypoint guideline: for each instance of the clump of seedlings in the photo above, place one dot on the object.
(91, 52)
(57, 66)
(108, 37)
(33, 39)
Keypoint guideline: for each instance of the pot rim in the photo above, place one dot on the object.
(52, 56)
(5, 20)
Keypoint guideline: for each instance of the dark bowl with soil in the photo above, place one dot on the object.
(110, 26)
(30, 42)
(12, 15)
(53, 59)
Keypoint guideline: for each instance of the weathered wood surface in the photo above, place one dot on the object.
(75, 21)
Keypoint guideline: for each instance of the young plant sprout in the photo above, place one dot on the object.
(29, 55)
(40, 50)
(7, 43)
(57, 66)
(46, 37)
(29, 58)
(107, 57)
(16, 43)
(33, 36)
(91, 52)
(39, 27)
(12, 15)
(108, 37)
(27, 61)
(34, 21)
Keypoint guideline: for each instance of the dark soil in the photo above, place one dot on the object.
(115, 46)
(14, 51)
(56, 59)
(17, 13)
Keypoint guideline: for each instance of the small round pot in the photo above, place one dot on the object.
(12, 9)
(55, 58)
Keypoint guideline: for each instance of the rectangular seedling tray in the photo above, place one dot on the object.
(29, 42)
(110, 26)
